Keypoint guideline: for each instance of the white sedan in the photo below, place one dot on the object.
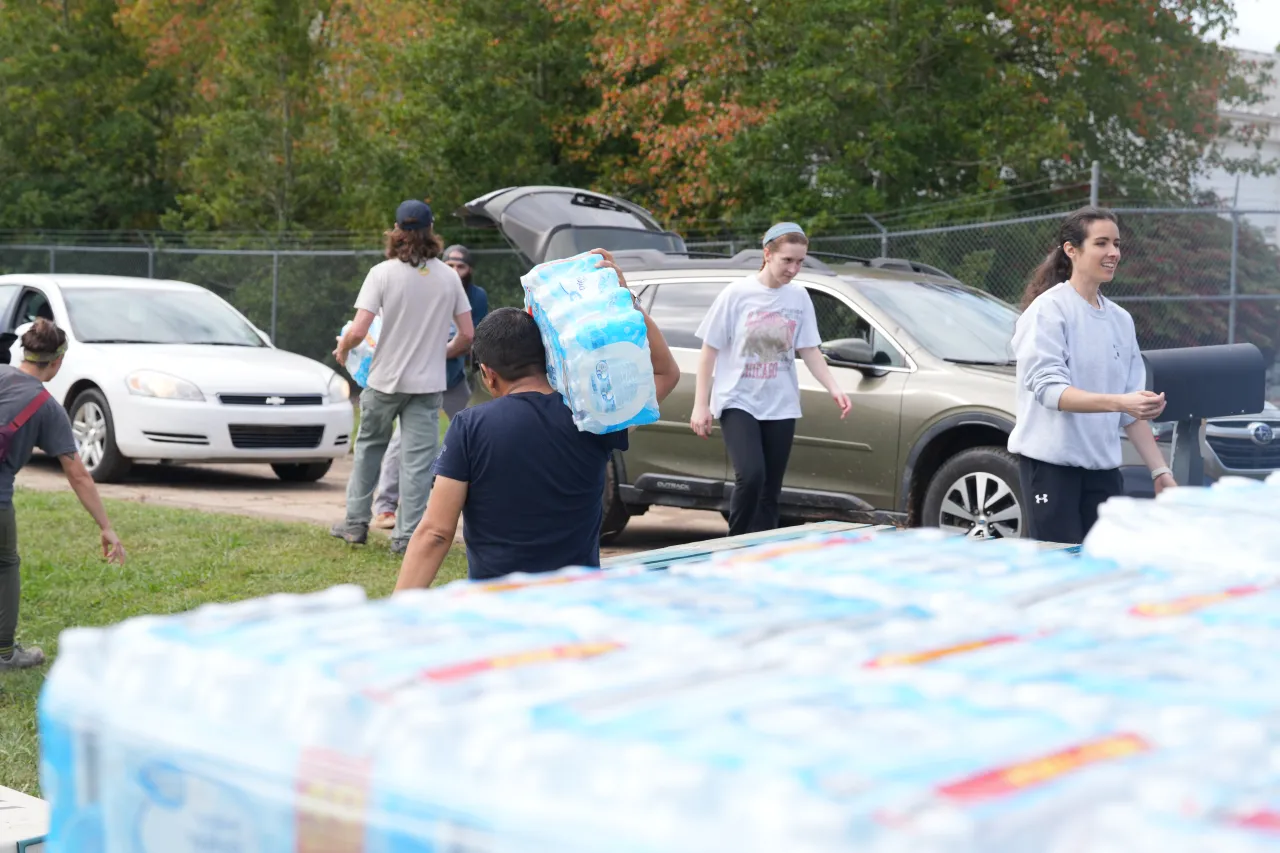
(165, 371)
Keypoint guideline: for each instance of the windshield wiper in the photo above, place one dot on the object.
(982, 362)
(222, 344)
(120, 341)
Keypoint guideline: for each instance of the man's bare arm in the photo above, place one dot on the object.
(87, 492)
(349, 341)
(461, 342)
(432, 540)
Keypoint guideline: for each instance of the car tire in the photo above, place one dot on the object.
(615, 517)
(95, 432)
(301, 472)
(977, 493)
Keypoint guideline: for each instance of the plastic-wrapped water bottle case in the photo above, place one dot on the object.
(882, 691)
(597, 348)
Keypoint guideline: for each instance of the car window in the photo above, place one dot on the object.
(7, 293)
(953, 322)
(124, 315)
(31, 305)
(837, 321)
(678, 309)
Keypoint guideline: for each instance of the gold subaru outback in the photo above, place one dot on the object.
(926, 362)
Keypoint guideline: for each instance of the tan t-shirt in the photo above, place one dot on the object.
(417, 305)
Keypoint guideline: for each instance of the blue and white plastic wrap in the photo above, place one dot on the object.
(597, 347)
(360, 359)
(894, 691)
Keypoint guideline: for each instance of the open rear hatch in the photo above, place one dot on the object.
(549, 223)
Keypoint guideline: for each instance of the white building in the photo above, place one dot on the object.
(1262, 191)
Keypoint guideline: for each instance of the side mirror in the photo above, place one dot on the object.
(855, 353)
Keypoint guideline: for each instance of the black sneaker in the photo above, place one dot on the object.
(352, 534)
(22, 658)
(398, 547)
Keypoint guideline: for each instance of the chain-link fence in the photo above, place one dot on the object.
(1190, 276)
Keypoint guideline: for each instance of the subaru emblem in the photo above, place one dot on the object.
(1261, 433)
(274, 401)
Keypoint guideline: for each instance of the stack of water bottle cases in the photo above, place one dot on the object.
(862, 690)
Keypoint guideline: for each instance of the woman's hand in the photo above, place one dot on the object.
(700, 421)
(842, 400)
(1141, 405)
(1165, 481)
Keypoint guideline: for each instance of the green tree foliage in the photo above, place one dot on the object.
(81, 120)
(270, 115)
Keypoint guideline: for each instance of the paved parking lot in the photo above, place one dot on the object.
(254, 490)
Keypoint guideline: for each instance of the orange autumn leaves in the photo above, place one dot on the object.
(667, 74)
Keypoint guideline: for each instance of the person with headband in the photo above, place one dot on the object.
(35, 419)
(751, 336)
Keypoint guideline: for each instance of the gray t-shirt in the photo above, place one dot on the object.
(1062, 341)
(417, 305)
(49, 428)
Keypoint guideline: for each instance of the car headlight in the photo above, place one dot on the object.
(151, 383)
(339, 390)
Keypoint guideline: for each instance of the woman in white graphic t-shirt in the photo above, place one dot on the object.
(751, 337)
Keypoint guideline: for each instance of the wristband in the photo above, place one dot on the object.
(1159, 472)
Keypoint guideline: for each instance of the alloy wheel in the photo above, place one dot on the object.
(89, 426)
(981, 506)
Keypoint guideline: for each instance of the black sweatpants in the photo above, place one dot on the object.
(759, 451)
(1062, 502)
(10, 584)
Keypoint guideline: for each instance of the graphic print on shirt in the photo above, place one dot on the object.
(768, 340)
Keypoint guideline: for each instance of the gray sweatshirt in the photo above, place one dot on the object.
(1061, 340)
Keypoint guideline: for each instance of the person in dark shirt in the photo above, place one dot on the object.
(46, 427)
(527, 482)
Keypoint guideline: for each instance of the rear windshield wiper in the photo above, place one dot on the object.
(982, 362)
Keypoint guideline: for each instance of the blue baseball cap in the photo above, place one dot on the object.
(780, 229)
(413, 215)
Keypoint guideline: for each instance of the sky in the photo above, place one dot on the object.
(1257, 25)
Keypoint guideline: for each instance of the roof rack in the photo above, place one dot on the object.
(910, 266)
(751, 259)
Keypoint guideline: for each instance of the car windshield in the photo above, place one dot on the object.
(951, 321)
(146, 316)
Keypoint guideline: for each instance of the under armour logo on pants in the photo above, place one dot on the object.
(1042, 499)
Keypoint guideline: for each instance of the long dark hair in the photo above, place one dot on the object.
(1056, 267)
(413, 247)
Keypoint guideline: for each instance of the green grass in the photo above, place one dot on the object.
(178, 559)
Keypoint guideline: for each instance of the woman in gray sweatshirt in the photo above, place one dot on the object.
(1081, 379)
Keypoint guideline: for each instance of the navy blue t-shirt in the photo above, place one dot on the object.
(535, 484)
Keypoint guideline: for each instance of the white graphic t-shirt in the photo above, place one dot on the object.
(757, 330)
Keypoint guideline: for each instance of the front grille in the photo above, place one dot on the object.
(275, 399)
(176, 438)
(258, 437)
(1242, 454)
